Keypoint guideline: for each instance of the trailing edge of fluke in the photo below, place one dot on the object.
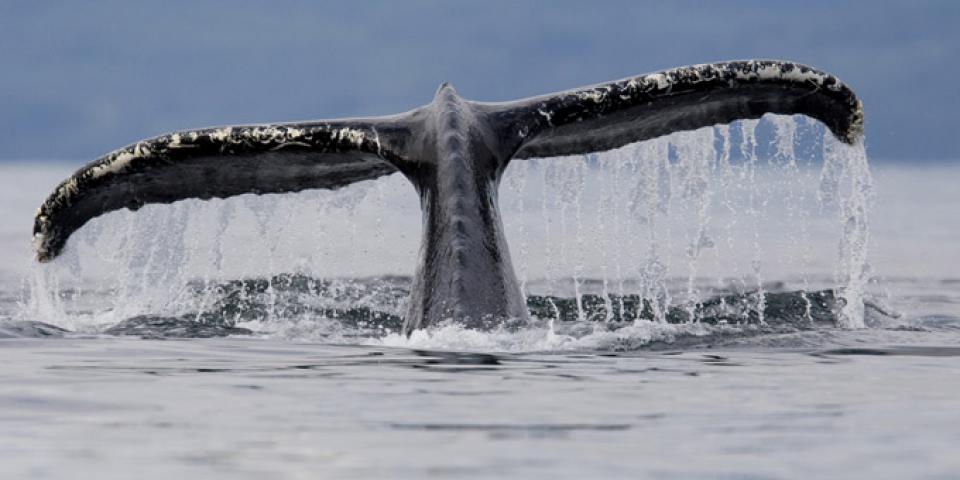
(454, 152)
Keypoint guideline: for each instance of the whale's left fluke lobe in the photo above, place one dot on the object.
(610, 115)
(219, 163)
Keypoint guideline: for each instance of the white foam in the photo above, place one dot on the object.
(458, 338)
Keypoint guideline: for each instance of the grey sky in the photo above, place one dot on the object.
(83, 78)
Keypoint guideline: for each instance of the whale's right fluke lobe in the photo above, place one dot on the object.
(219, 163)
(607, 116)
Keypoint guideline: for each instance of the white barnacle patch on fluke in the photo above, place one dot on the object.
(67, 189)
(117, 162)
(785, 71)
(351, 135)
(596, 96)
(258, 135)
(798, 75)
(120, 162)
(769, 71)
(736, 72)
(661, 81)
(221, 134)
(270, 134)
(142, 150)
(547, 115)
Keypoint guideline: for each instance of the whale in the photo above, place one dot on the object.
(454, 152)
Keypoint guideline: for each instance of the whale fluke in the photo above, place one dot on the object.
(217, 162)
(607, 116)
(454, 152)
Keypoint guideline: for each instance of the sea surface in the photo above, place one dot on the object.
(712, 321)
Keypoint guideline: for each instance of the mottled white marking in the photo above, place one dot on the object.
(547, 115)
(141, 150)
(707, 72)
(659, 79)
(777, 71)
(120, 162)
(116, 165)
(221, 134)
(68, 188)
(593, 95)
(349, 134)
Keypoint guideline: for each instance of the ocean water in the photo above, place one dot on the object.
(749, 301)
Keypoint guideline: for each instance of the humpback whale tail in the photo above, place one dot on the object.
(454, 152)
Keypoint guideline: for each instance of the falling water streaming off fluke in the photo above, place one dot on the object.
(661, 231)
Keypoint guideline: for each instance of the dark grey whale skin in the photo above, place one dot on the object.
(454, 152)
